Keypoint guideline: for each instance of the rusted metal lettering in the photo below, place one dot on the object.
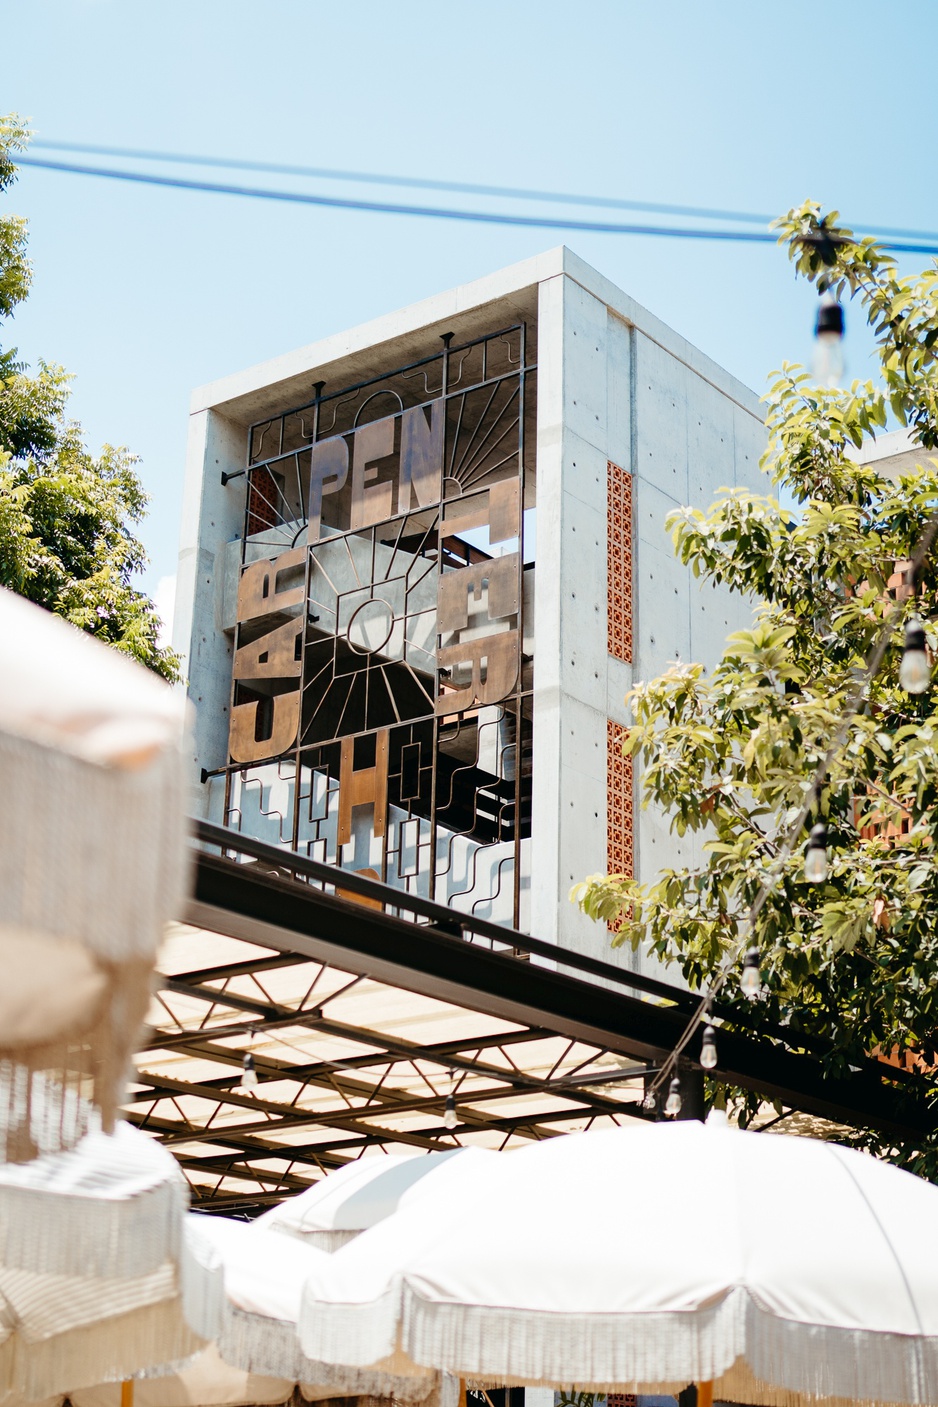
(276, 655)
(491, 663)
(328, 471)
(497, 509)
(497, 579)
(269, 587)
(372, 502)
(245, 746)
(362, 786)
(421, 462)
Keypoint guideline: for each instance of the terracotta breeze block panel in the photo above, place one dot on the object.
(619, 807)
(619, 582)
(619, 804)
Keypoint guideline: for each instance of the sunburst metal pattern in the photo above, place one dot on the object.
(381, 706)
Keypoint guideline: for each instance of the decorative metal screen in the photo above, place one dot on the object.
(619, 580)
(619, 804)
(381, 712)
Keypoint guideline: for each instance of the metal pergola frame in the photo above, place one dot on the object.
(243, 1150)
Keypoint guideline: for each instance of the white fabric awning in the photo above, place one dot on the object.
(112, 1206)
(97, 1279)
(59, 1333)
(264, 1278)
(93, 861)
(348, 1201)
(650, 1257)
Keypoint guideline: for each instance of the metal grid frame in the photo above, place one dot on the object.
(491, 809)
(537, 1051)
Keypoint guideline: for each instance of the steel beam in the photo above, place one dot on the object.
(297, 918)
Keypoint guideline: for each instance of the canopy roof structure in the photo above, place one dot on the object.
(365, 1009)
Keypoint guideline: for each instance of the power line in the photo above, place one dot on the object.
(329, 173)
(482, 217)
(388, 208)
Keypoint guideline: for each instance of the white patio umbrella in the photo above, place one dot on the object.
(97, 1279)
(59, 1333)
(113, 1206)
(264, 1278)
(346, 1202)
(92, 864)
(643, 1259)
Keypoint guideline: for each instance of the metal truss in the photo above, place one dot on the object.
(362, 1021)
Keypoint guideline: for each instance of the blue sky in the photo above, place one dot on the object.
(144, 293)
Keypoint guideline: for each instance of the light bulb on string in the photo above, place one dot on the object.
(829, 342)
(673, 1102)
(751, 980)
(914, 671)
(708, 1048)
(815, 855)
(248, 1079)
(650, 1102)
(450, 1117)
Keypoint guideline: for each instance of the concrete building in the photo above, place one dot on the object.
(892, 453)
(422, 563)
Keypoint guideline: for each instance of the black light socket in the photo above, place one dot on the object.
(830, 318)
(914, 635)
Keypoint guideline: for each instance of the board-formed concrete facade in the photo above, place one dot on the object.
(517, 646)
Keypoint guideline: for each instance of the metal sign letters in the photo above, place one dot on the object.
(380, 669)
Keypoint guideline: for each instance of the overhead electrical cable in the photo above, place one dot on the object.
(483, 217)
(328, 173)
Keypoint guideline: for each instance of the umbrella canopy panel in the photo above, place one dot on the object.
(810, 1265)
(339, 1207)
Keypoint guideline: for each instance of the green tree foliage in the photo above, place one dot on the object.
(67, 518)
(731, 755)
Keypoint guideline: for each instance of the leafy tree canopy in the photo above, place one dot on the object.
(67, 517)
(731, 755)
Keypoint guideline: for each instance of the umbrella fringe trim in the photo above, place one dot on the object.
(270, 1347)
(201, 1287)
(829, 1361)
(323, 1240)
(484, 1341)
(107, 885)
(62, 1234)
(644, 1349)
(356, 1334)
(107, 1351)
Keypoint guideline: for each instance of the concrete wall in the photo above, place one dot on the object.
(611, 390)
(212, 517)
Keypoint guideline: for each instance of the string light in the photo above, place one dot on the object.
(708, 1048)
(450, 1117)
(650, 1102)
(673, 1103)
(914, 671)
(815, 855)
(248, 1079)
(829, 334)
(751, 981)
